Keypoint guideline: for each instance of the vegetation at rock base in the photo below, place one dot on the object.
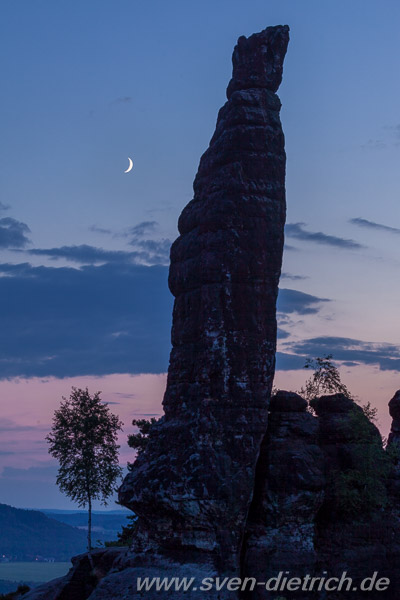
(19, 593)
(125, 536)
(361, 489)
(84, 440)
(138, 441)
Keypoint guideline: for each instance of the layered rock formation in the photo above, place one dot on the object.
(357, 530)
(289, 491)
(322, 500)
(394, 410)
(193, 485)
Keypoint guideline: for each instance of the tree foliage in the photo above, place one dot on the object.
(19, 592)
(83, 439)
(138, 441)
(125, 536)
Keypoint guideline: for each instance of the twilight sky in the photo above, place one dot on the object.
(84, 247)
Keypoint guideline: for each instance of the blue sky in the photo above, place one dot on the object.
(84, 247)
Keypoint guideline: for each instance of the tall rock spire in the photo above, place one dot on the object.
(193, 485)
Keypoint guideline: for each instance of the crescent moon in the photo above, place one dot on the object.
(130, 165)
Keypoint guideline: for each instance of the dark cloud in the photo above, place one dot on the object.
(282, 334)
(147, 414)
(289, 362)
(85, 254)
(296, 230)
(142, 228)
(293, 277)
(148, 253)
(144, 251)
(122, 100)
(372, 225)
(13, 233)
(96, 229)
(349, 351)
(61, 322)
(156, 250)
(4, 206)
(96, 320)
(293, 301)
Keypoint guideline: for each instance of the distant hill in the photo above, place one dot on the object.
(27, 534)
(105, 524)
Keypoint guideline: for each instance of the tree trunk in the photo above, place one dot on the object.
(89, 535)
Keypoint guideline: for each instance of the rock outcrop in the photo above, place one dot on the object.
(83, 577)
(355, 529)
(193, 485)
(322, 501)
(289, 491)
(394, 411)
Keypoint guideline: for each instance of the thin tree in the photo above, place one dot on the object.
(83, 439)
(324, 380)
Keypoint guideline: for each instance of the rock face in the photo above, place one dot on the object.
(365, 541)
(83, 577)
(394, 410)
(394, 446)
(193, 485)
(289, 491)
(337, 417)
(297, 522)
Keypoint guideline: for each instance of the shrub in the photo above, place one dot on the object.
(361, 489)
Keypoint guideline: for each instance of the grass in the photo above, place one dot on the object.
(33, 571)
